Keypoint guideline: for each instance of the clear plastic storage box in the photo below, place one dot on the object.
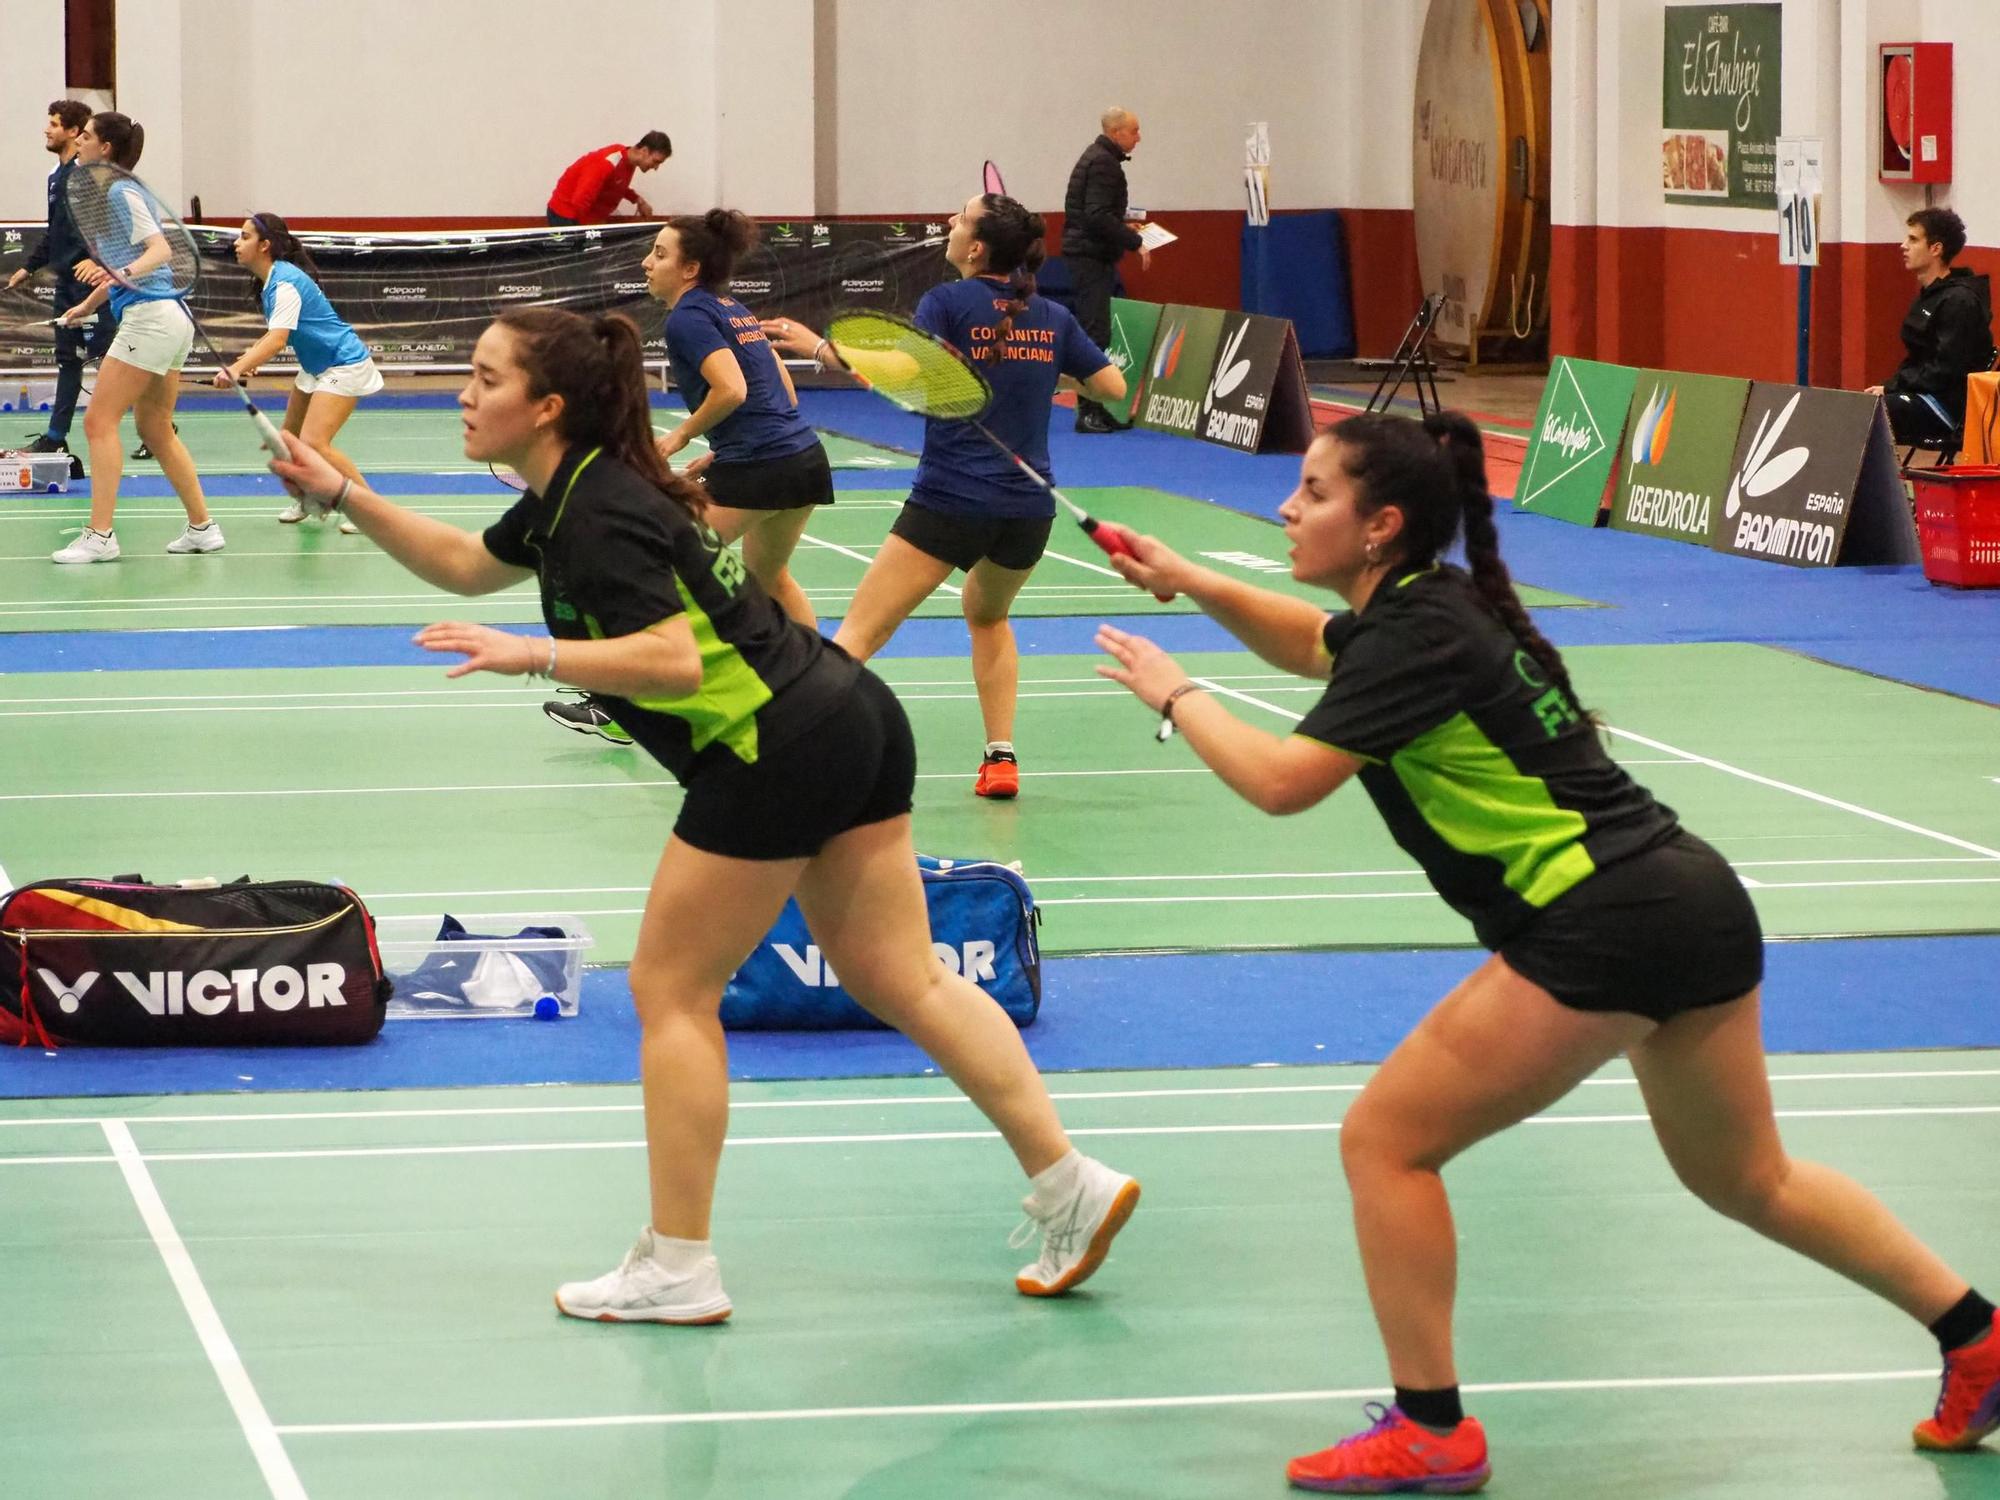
(494, 971)
(34, 473)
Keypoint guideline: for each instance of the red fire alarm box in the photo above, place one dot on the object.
(1916, 112)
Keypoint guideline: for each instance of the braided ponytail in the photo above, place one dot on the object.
(1462, 446)
(1016, 246)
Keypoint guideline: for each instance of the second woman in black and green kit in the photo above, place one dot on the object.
(798, 766)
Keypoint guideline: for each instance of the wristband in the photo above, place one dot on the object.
(547, 671)
(1166, 729)
(338, 495)
(818, 363)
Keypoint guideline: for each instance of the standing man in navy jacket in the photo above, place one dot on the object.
(1096, 236)
(60, 250)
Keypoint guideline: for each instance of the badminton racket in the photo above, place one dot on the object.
(144, 247)
(992, 182)
(922, 374)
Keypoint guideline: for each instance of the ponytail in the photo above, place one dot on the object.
(597, 366)
(716, 240)
(284, 244)
(1016, 246)
(1464, 449)
(125, 137)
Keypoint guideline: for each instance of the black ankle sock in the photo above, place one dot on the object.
(1970, 1316)
(1439, 1409)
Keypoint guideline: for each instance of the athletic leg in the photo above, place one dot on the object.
(990, 591)
(899, 579)
(769, 538)
(119, 387)
(154, 416)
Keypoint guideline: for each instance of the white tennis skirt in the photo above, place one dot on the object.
(155, 335)
(356, 380)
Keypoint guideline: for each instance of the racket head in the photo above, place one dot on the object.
(508, 477)
(905, 365)
(117, 214)
(992, 182)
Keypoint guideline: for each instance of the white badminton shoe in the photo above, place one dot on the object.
(1076, 1222)
(92, 546)
(198, 539)
(642, 1290)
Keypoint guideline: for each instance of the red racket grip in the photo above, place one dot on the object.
(1115, 541)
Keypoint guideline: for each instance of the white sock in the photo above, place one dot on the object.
(994, 747)
(1054, 1183)
(682, 1257)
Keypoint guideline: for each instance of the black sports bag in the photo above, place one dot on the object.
(125, 963)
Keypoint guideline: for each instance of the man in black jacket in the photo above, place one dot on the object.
(60, 250)
(1947, 335)
(1096, 237)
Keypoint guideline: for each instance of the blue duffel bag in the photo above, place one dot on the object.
(983, 923)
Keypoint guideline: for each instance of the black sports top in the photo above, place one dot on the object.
(1485, 772)
(615, 556)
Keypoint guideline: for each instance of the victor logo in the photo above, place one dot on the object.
(974, 960)
(1762, 471)
(1230, 372)
(210, 992)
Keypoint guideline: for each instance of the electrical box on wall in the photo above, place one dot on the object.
(1915, 115)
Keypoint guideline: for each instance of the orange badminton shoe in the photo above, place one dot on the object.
(1968, 1405)
(1397, 1457)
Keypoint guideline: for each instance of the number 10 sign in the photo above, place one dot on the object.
(1798, 184)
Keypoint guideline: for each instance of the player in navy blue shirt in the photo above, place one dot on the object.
(970, 507)
(335, 368)
(765, 469)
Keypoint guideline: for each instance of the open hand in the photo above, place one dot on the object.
(1143, 667)
(790, 337)
(484, 648)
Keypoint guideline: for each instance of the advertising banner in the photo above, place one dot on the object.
(1257, 391)
(1680, 438)
(1179, 368)
(420, 301)
(1719, 107)
(1574, 445)
(1799, 475)
(1133, 325)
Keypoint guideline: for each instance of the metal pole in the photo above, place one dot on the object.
(1805, 325)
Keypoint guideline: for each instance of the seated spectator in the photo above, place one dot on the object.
(1946, 337)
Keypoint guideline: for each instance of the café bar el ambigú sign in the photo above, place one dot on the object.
(1719, 107)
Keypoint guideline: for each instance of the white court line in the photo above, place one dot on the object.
(931, 1137)
(1705, 760)
(1799, 791)
(877, 1101)
(864, 559)
(1086, 1404)
(279, 1476)
(666, 782)
(1084, 562)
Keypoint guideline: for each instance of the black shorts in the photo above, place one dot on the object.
(788, 483)
(965, 541)
(1663, 932)
(855, 766)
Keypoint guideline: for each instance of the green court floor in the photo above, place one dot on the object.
(309, 574)
(411, 440)
(1851, 805)
(348, 1298)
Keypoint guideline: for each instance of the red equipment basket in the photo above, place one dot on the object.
(1958, 522)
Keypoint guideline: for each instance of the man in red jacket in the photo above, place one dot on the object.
(595, 184)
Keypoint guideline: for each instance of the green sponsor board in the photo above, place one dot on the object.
(1719, 109)
(1675, 459)
(1133, 325)
(1575, 441)
(1178, 370)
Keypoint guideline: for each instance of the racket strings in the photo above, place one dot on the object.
(903, 364)
(116, 214)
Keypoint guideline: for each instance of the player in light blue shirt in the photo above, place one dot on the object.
(335, 368)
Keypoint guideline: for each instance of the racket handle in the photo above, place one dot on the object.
(1115, 541)
(273, 440)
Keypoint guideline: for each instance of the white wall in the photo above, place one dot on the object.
(442, 108)
(1024, 83)
(1607, 70)
(34, 33)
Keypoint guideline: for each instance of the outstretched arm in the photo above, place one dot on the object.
(1285, 631)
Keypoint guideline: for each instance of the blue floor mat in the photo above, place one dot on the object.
(1153, 1011)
